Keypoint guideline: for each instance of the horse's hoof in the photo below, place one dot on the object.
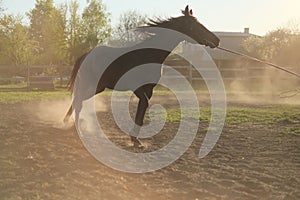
(136, 142)
(65, 121)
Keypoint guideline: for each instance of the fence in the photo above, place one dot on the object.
(37, 77)
(233, 73)
(33, 77)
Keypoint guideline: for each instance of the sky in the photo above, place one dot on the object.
(261, 16)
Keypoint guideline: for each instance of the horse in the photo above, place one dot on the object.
(186, 24)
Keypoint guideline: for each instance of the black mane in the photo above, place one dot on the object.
(170, 21)
(165, 23)
(161, 22)
(157, 23)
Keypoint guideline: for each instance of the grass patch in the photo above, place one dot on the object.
(13, 86)
(265, 115)
(17, 97)
(279, 114)
(294, 130)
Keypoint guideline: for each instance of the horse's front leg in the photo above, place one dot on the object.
(144, 96)
(139, 119)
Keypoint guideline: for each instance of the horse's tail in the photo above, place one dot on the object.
(75, 70)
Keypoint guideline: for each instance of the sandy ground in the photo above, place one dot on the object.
(41, 159)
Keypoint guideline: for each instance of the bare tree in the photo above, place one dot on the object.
(125, 32)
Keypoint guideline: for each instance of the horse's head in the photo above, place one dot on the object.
(190, 26)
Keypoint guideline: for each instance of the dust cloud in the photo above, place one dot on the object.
(262, 85)
(52, 112)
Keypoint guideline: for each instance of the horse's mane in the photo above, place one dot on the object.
(164, 23)
(149, 27)
(160, 22)
(169, 23)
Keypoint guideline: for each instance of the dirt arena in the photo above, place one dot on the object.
(41, 159)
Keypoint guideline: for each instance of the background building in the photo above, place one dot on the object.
(229, 40)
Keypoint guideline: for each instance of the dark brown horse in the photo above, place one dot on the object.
(189, 27)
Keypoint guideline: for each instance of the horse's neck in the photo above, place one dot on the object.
(165, 41)
(164, 44)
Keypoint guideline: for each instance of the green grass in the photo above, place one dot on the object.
(276, 114)
(294, 131)
(13, 86)
(281, 115)
(18, 97)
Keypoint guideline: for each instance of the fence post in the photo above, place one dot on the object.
(190, 69)
(28, 77)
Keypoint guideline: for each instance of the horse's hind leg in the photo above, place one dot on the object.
(69, 113)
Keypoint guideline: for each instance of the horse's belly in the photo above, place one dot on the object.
(137, 77)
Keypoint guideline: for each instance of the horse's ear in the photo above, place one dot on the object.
(186, 11)
(191, 12)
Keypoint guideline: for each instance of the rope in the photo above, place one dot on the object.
(285, 94)
(260, 61)
(289, 93)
